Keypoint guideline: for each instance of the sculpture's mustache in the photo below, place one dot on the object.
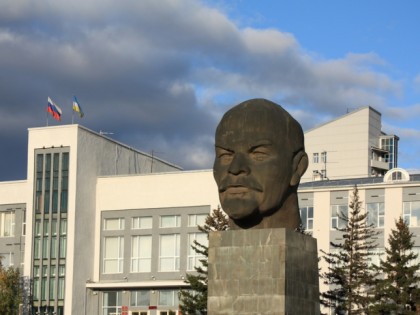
(249, 183)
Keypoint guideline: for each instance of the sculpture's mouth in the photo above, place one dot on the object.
(234, 190)
(239, 188)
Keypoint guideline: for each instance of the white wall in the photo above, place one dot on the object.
(347, 141)
(178, 189)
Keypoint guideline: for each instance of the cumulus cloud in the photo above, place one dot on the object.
(159, 74)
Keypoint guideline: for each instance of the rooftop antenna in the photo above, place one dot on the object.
(104, 133)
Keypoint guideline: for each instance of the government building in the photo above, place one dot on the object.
(101, 228)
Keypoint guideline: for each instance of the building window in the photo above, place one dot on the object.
(7, 223)
(60, 294)
(114, 224)
(169, 252)
(324, 157)
(141, 253)
(36, 289)
(396, 175)
(63, 227)
(411, 213)
(168, 298)
(375, 214)
(63, 247)
(197, 219)
(37, 247)
(113, 254)
(140, 298)
(111, 303)
(54, 247)
(142, 223)
(376, 256)
(6, 259)
(307, 217)
(315, 157)
(337, 213)
(194, 257)
(170, 221)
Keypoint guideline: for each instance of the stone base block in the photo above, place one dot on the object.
(262, 271)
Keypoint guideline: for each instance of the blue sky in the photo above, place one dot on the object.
(159, 74)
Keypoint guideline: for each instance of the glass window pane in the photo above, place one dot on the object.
(114, 224)
(197, 219)
(142, 223)
(167, 221)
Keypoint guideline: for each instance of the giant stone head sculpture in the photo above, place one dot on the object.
(260, 158)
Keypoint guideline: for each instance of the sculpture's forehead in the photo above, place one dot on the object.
(250, 126)
(248, 137)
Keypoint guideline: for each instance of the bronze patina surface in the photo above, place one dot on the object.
(260, 158)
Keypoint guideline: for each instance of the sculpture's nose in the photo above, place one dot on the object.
(239, 165)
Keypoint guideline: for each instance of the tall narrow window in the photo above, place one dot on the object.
(194, 257)
(411, 213)
(141, 253)
(64, 181)
(38, 183)
(324, 157)
(113, 256)
(169, 252)
(307, 217)
(337, 213)
(56, 163)
(7, 223)
(315, 158)
(375, 214)
(47, 183)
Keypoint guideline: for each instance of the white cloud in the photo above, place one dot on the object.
(166, 70)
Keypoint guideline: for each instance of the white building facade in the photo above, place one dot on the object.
(351, 146)
(101, 228)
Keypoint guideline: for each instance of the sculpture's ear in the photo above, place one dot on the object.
(300, 164)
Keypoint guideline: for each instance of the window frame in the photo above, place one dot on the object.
(118, 259)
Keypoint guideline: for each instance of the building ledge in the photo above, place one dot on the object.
(137, 284)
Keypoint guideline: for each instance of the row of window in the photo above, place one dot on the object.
(112, 301)
(315, 157)
(141, 253)
(375, 217)
(165, 221)
(51, 184)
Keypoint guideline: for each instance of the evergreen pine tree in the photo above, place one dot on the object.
(348, 275)
(396, 290)
(194, 299)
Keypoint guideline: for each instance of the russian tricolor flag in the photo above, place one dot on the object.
(54, 109)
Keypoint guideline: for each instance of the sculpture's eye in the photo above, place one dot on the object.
(224, 155)
(259, 156)
(260, 153)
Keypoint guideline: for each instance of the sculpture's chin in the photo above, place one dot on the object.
(239, 209)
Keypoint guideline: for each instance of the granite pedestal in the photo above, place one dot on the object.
(262, 271)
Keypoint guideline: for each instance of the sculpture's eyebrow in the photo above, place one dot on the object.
(222, 148)
(260, 143)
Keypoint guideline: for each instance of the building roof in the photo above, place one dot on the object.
(351, 182)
